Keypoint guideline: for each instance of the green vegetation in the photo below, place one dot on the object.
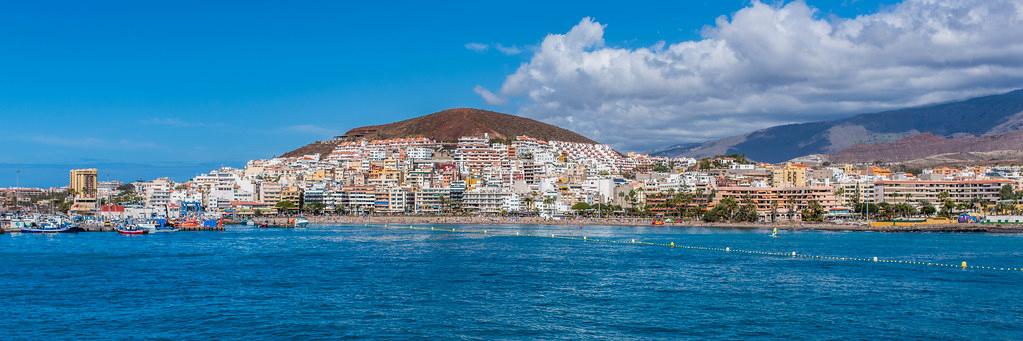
(813, 212)
(728, 210)
(580, 207)
(285, 205)
(126, 195)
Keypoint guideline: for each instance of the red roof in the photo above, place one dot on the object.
(111, 208)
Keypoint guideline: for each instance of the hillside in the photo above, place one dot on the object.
(449, 125)
(923, 146)
(988, 115)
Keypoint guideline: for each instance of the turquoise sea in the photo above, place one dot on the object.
(330, 282)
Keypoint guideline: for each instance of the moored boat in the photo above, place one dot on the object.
(130, 230)
(48, 229)
(44, 225)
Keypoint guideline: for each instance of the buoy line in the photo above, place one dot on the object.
(727, 249)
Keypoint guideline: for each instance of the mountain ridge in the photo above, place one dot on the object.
(979, 116)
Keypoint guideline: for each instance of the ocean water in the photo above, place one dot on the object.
(329, 282)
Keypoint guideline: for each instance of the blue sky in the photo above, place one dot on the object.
(189, 84)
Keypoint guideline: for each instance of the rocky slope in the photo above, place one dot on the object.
(982, 116)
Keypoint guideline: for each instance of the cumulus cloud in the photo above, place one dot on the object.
(768, 65)
(477, 47)
(488, 96)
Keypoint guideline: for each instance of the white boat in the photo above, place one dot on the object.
(300, 222)
(152, 227)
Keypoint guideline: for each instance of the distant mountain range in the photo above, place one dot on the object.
(448, 125)
(983, 124)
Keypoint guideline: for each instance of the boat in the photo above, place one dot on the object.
(130, 230)
(774, 233)
(157, 226)
(299, 222)
(657, 222)
(49, 229)
(44, 225)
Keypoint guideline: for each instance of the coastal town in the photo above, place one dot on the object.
(547, 181)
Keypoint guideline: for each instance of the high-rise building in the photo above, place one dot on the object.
(84, 182)
(84, 187)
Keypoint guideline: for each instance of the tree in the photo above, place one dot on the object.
(285, 205)
(530, 201)
(729, 208)
(947, 204)
(927, 209)
(633, 199)
(548, 202)
(661, 167)
(681, 201)
(1007, 193)
(315, 208)
(813, 212)
(747, 212)
(580, 207)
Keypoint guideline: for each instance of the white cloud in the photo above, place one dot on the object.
(488, 96)
(508, 50)
(477, 47)
(769, 65)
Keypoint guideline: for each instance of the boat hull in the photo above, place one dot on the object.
(130, 232)
(49, 230)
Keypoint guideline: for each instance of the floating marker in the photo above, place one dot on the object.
(794, 254)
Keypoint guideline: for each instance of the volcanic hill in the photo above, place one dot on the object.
(448, 125)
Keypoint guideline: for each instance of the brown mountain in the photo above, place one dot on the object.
(929, 146)
(449, 125)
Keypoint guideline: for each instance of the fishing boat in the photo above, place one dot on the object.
(44, 225)
(157, 228)
(131, 229)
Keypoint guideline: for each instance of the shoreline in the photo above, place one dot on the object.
(616, 221)
(645, 222)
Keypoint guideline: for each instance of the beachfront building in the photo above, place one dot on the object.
(394, 200)
(776, 202)
(490, 201)
(960, 191)
(432, 200)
